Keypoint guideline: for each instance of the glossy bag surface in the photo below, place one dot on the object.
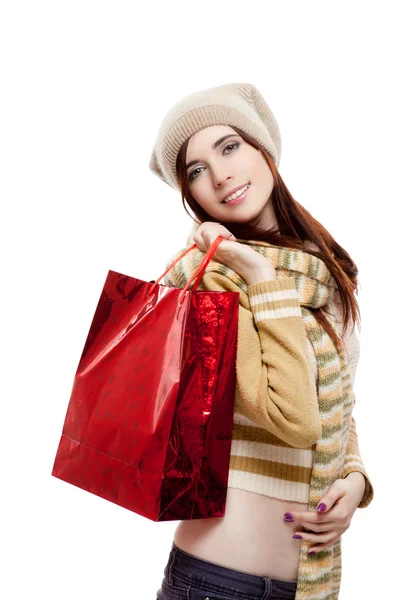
(149, 421)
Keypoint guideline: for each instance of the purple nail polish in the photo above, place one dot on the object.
(289, 520)
(289, 515)
(313, 551)
(298, 537)
(322, 507)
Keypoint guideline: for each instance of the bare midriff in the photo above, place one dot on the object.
(252, 537)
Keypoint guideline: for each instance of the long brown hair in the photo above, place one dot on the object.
(295, 226)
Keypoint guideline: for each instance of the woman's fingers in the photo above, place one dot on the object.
(207, 232)
(321, 538)
(318, 527)
(321, 542)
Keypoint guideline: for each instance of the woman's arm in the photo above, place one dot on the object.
(275, 388)
(275, 383)
(353, 463)
(359, 483)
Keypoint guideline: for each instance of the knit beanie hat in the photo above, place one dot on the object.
(234, 104)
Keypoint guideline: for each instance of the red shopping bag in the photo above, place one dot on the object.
(150, 417)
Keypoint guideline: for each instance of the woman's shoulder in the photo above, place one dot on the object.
(351, 338)
(311, 245)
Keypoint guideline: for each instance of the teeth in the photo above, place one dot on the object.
(236, 194)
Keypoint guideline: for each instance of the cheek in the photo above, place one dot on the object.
(264, 185)
(204, 194)
(206, 202)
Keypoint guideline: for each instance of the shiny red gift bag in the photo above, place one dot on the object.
(150, 417)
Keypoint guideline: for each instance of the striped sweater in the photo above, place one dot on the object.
(294, 432)
(262, 463)
(272, 454)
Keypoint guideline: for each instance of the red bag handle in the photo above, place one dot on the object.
(199, 271)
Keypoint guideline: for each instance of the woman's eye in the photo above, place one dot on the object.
(235, 144)
(192, 173)
(232, 144)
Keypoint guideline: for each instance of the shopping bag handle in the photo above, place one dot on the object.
(197, 273)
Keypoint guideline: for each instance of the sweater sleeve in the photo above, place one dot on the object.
(275, 386)
(353, 460)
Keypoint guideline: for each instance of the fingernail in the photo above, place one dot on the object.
(322, 507)
(313, 551)
(289, 520)
(296, 536)
(289, 515)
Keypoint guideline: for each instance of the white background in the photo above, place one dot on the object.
(85, 86)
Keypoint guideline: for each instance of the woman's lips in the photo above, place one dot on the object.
(239, 199)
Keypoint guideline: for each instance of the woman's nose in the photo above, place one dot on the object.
(220, 178)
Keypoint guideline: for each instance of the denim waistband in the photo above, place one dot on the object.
(195, 570)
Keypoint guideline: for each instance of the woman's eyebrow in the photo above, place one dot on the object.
(214, 146)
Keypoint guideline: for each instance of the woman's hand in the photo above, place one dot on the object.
(341, 501)
(239, 257)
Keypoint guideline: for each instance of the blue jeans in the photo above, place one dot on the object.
(186, 576)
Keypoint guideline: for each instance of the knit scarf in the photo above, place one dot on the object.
(319, 575)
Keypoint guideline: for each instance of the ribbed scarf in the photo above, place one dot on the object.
(319, 575)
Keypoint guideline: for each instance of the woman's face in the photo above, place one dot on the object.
(223, 165)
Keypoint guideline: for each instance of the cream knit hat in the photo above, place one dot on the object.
(234, 104)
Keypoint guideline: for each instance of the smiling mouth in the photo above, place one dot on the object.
(239, 193)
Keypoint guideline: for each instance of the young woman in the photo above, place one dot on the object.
(296, 474)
